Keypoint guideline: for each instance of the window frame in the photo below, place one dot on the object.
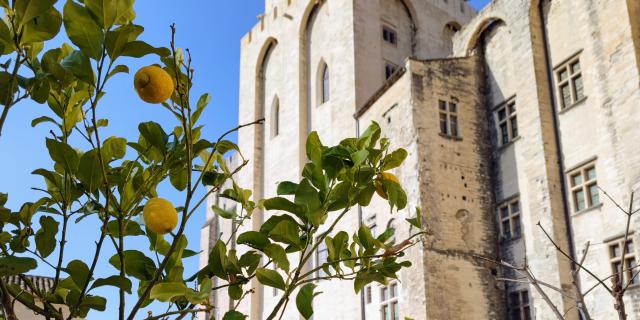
(390, 302)
(584, 187)
(450, 118)
(629, 267)
(523, 306)
(572, 76)
(510, 121)
(390, 69)
(324, 79)
(393, 35)
(511, 217)
(275, 117)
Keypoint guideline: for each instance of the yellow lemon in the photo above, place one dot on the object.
(153, 84)
(160, 216)
(380, 189)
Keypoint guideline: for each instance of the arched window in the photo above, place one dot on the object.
(325, 84)
(275, 117)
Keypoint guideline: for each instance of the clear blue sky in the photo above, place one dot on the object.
(212, 31)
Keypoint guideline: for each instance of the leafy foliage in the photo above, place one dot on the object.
(109, 180)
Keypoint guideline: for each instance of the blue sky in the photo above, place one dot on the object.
(211, 29)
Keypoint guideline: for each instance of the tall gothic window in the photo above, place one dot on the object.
(325, 91)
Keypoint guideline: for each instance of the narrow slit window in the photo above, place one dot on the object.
(326, 85)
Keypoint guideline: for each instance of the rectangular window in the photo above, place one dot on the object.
(507, 122)
(518, 303)
(448, 118)
(510, 219)
(389, 35)
(389, 302)
(630, 262)
(569, 83)
(322, 256)
(584, 187)
(389, 70)
(368, 296)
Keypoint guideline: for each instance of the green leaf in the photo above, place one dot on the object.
(167, 291)
(270, 278)
(202, 104)
(308, 195)
(359, 157)
(114, 148)
(287, 188)
(132, 228)
(83, 30)
(80, 66)
(286, 232)
(304, 300)
(235, 292)
(78, 271)
(225, 214)
(27, 10)
(153, 133)
(225, 146)
(179, 178)
(397, 196)
(254, 239)
(284, 204)
(218, 259)
(94, 302)
(42, 28)
(62, 154)
(3, 198)
(118, 69)
(89, 172)
(417, 220)
(109, 12)
(115, 281)
(365, 236)
(139, 49)
(394, 159)
(234, 315)
(117, 40)
(314, 149)
(11, 266)
(278, 255)
(46, 236)
(137, 264)
(6, 39)
(40, 120)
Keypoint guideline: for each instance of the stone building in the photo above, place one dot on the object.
(516, 115)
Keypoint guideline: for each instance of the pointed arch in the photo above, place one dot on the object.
(449, 30)
(480, 30)
(275, 117)
(306, 26)
(409, 9)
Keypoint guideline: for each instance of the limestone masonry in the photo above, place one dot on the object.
(522, 113)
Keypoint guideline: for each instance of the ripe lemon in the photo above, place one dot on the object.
(153, 84)
(380, 189)
(160, 216)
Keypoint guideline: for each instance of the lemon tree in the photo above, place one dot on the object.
(114, 181)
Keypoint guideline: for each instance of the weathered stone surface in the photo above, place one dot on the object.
(507, 51)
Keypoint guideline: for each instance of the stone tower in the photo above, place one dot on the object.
(511, 116)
